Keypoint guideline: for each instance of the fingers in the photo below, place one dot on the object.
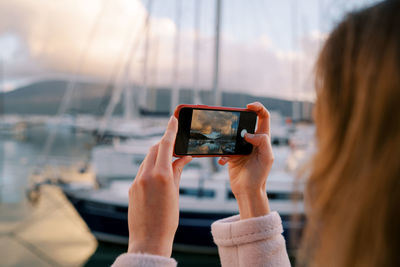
(166, 147)
(140, 170)
(263, 117)
(150, 159)
(258, 140)
(223, 160)
(177, 167)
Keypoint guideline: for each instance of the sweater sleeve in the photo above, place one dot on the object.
(251, 242)
(143, 260)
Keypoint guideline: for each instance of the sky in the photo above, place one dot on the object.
(267, 47)
(214, 123)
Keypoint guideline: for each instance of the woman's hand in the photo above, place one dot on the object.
(248, 174)
(153, 212)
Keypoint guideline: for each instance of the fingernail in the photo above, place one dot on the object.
(249, 135)
(171, 118)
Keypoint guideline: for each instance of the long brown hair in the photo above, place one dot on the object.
(353, 193)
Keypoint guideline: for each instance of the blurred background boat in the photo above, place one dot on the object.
(204, 198)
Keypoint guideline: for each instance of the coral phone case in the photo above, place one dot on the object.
(232, 148)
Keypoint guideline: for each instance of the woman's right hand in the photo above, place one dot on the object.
(248, 174)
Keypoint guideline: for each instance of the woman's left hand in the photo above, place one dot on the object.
(248, 174)
(153, 212)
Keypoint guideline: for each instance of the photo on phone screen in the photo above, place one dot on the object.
(213, 132)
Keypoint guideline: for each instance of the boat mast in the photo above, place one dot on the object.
(2, 87)
(152, 101)
(215, 92)
(2, 92)
(175, 69)
(143, 95)
(196, 50)
(128, 111)
(295, 82)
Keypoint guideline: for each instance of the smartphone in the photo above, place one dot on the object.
(206, 131)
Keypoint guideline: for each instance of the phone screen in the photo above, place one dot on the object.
(213, 132)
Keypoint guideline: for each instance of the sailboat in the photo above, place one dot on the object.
(202, 201)
(205, 194)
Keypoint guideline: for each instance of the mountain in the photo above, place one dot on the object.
(198, 136)
(44, 97)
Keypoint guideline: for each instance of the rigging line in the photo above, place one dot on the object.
(262, 23)
(125, 76)
(155, 61)
(234, 22)
(2, 110)
(152, 101)
(2, 87)
(116, 69)
(146, 54)
(257, 19)
(295, 68)
(175, 68)
(66, 99)
(154, 73)
(215, 90)
(196, 50)
(304, 76)
(232, 18)
(253, 40)
(242, 47)
(126, 84)
(319, 22)
(268, 21)
(249, 15)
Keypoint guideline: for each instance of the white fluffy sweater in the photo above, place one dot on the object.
(251, 242)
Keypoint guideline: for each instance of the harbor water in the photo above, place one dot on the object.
(46, 230)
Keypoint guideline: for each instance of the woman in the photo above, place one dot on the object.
(353, 193)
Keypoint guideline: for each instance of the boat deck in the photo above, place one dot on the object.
(50, 233)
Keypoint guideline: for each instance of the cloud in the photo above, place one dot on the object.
(54, 33)
(207, 122)
(48, 37)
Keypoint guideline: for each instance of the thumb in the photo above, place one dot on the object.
(177, 167)
(258, 140)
